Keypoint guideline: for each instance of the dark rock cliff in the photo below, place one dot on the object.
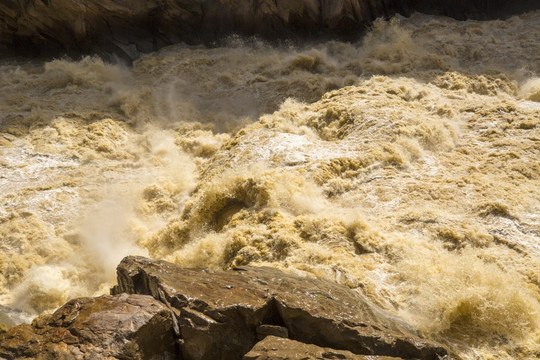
(129, 27)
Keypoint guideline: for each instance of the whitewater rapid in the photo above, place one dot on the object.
(405, 166)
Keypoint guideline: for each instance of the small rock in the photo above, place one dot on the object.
(265, 330)
(276, 348)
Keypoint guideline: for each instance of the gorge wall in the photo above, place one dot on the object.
(127, 28)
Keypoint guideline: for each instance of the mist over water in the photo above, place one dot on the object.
(405, 166)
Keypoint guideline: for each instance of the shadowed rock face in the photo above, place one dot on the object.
(161, 311)
(127, 28)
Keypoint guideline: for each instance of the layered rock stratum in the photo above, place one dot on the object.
(127, 28)
(159, 310)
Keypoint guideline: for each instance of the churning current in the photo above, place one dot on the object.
(405, 166)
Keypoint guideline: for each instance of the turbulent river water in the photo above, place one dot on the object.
(405, 166)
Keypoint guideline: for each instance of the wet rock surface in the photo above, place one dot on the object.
(277, 348)
(128, 28)
(159, 311)
(106, 327)
(218, 313)
(271, 330)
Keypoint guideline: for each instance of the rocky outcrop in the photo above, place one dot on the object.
(106, 327)
(159, 310)
(218, 313)
(127, 28)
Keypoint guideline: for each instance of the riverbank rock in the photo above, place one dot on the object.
(276, 348)
(37, 27)
(106, 327)
(161, 311)
(218, 313)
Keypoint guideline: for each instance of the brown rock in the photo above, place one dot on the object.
(274, 330)
(219, 312)
(276, 348)
(106, 327)
(198, 314)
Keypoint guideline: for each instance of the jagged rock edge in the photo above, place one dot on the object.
(152, 286)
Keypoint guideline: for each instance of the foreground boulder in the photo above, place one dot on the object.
(161, 311)
(218, 313)
(129, 27)
(106, 327)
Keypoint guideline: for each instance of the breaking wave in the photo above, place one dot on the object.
(404, 166)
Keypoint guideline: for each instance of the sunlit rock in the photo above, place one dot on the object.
(277, 348)
(106, 327)
(218, 313)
